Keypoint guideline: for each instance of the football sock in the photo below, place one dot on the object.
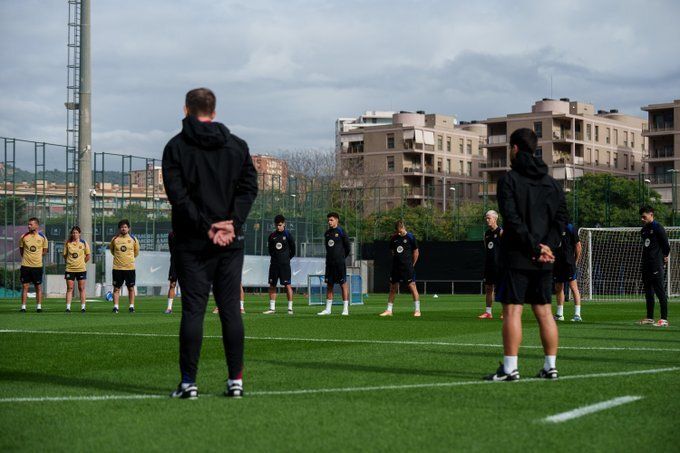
(389, 306)
(417, 305)
(345, 305)
(560, 310)
(132, 305)
(23, 306)
(509, 363)
(290, 305)
(577, 310)
(169, 303)
(272, 305)
(39, 307)
(68, 306)
(82, 306)
(231, 382)
(115, 305)
(488, 310)
(242, 306)
(549, 362)
(329, 305)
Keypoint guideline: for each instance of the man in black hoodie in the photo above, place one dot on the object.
(534, 214)
(211, 184)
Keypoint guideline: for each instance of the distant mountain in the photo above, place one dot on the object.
(59, 177)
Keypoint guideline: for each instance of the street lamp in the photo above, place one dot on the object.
(674, 192)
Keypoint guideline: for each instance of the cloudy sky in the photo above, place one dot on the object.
(284, 71)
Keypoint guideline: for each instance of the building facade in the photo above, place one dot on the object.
(272, 172)
(573, 139)
(663, 159)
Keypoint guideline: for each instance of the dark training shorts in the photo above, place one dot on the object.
(31, 275)
(336, 273)
(491, 276)
(524, 286)
(564, 272)
(279, 272)
(120, 276)
(402, 274)
(75, 276)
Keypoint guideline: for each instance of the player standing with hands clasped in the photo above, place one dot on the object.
(281, 250)
(404, 248)
(76, 253)
(492, 245)
(655, 251)
(337, 249)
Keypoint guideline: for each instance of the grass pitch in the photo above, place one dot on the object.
(99, 382)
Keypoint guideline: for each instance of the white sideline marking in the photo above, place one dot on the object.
(345, 340)
(585, 410)
(340, 389)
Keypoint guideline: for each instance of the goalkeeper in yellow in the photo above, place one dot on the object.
(125, 248)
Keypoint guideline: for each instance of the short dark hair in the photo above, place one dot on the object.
(73, 228)
(525, 139)
(279, 219)
(333, 214)
(646, 209)
(200, 101)
(34, 219)
(124, 222)
(399, 224)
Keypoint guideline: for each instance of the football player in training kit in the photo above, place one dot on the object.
(77, 253)
(564, 271)
(492, 245)
(281, 250)
(124, 248)
(32, 246)
(337, 249)
(404, 248)
(216, 311)
(655, 251)
(172, 273)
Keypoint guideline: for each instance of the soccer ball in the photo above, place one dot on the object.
(109, 296)
(435, 296)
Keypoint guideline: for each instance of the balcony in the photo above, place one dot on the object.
(497, 139)
(494, 163)
(662, 153)
(561, 158)
(563, 136)
(491, 189)
(660, 178)
(658, 128)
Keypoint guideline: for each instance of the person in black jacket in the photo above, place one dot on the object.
(211, 184)
(655, 251)
(337, 250)
(281, 247)
(492, 247)
(534, 214)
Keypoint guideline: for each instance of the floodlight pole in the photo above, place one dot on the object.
(85, 130)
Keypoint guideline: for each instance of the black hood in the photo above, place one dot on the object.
(526, 164)
(206, 135)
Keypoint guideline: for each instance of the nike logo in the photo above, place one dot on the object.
(154, 269)
(297, 272)
(245, 271)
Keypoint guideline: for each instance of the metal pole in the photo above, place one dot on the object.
(590, 265)
(85, 130)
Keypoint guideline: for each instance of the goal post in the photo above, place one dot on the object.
(610, 267)
(316, 288)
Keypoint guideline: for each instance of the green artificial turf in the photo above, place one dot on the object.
(362, 407)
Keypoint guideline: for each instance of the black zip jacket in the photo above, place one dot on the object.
(534, 212)
(655, 247)
(209, 177)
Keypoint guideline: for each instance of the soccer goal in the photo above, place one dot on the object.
(316, 289)
(610, 264)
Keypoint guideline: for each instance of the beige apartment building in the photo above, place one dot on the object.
(573, 139)
(272, 172)
(663, 160)
(419, 159)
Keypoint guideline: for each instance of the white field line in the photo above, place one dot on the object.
(590, 409)
(345, 389)
(344, 340)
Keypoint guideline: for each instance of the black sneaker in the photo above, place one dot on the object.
(131, 309)
(23, 310)
(82, 310)
(68, 310)
(547, 374)
(189, 392)
(234, 391)
(115, 310)
(38, 310)
(500, 375)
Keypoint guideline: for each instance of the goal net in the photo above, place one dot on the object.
(316, 289)
(611, 260)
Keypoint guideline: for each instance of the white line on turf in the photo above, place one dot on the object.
(345, 340)
(346, 389)
(590, 409)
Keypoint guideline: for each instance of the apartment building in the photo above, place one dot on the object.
(663, 160)
(418, 159)
(573, 139)
(272, 172)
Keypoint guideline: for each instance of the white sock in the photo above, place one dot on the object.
(560, 310)
(185, 385)
(169, 303)
(23, 306)
(329, 305)
(549, 362)
(132, 305)
(39, 306)
(389, 306)
(242, 306)
(417, 305)
(68, 306)
(115, 305)
(272, 305)
(82, 306)
(577, 310)
(290, 305)
(345, 306)
(509, 363)
(235, 381)
(488, 310)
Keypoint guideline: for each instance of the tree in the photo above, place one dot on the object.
(15, 210)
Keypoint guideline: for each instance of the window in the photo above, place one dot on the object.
(625, 161)
(390, 163)
(460, 146)
(625, 138)
(616, 160)
(608, 138)
(597, 154)
(469, 168)
(589, 155)
(632, 139)
(390, 141)
(539, 152)
(538, 128)
(440, 143)
(597, 133)
(460, 167)
(589, 131)
(448, 144)
(469, 146)
(609, 158)
(440, 165)
(448, 166)
(632, 164)
(616, 136)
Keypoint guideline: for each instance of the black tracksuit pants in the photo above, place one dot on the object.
(197, 272)
(654, 284)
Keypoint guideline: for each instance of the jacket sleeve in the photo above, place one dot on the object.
(663, 241)
(291, 245)
(177, 191)
(246, 191)
(512, 220)
(560, 222)
(346, 244)
(270, 245)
